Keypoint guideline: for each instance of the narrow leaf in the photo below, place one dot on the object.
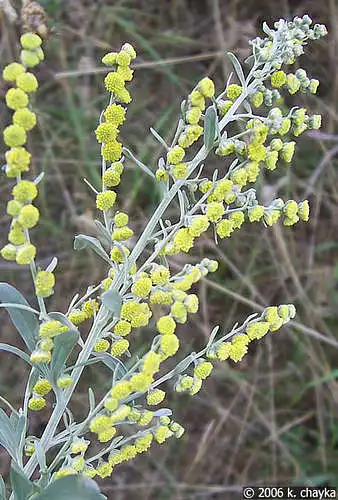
(7, 434)
(210, 128)
(114, 364)
(22, 487)
(82, 241)
(103, 233)
(63, 346)
(25, 321)
(112, 300)
(71, 487)
(142, 166)
(16, 351)
(238, 68)
(51, 267)
(62, 318)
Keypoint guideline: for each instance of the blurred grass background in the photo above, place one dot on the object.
(272, 419)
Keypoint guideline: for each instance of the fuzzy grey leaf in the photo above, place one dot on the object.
(210, 128)
(63, 346)
(82, 241)
(112, 300)
(74, 487)
(25, 321)
(22, 487)
(238, 68)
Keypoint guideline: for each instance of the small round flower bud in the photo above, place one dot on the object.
(42, 387)
(112, 151)
(29, 216)
(225, 228)
(119, 347)
(233, 91)
(105, 201)
(121, 219)
(102, 345)
(40, 356)
(14, 136)
(166, 325)
(26, 254)
(27, 82)
(30, 41)
(24, 118)
(64, 382)
(36, 404)
(203, 369)
(155, 397)
(8, 252)
(206, 87)
(16, 98)
(11, 72)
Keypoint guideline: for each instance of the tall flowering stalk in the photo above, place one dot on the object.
(140, 288)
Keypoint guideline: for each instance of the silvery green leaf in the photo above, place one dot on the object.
(163, 412)
(105, 236)
(142, 166)
(114, 364)
(25, 321)
(71, 487)
(183, 365)
(51, 267)
(16, 351)
(238, 68)
(82, 241)
(22, 487)
(41, 456)
(91, 397)
(112, 300)
(159, 138)
(2, 489)
(210, 128)
(267, 30)
(247, 107)
(8, 437)
(212, 336)
(63, 346)
(39, 178)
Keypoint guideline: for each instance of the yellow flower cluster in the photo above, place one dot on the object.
(41, 388)
(108, 130)
(25, 215)
(272, 319)
(87, 311)
(48, 330)
(191, 133)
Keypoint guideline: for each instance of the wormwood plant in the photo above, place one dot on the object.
(249, 128)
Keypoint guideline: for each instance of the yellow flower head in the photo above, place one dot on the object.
(30, 41)
(105, 201)
(166, 325)
(14, 136)
(16, 99)
(64, 382)
(225, 228)
(11, 72)
(102, 345)
(233, 91)
(112, 150)
(121, 390)
(115, 114)
(278, 79)
(106, 132)
(119, 347)
(122, 328)
(51, 329)
(203, 369)
(206, 87)
(175, 155)
(155, 397)
(29, 216)
(24, 118)
(27, 82)
(8, 252)
(40, 356)
(26, 254)
(42, 387)
(169, 345)
(36, 403)
(44, 283)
